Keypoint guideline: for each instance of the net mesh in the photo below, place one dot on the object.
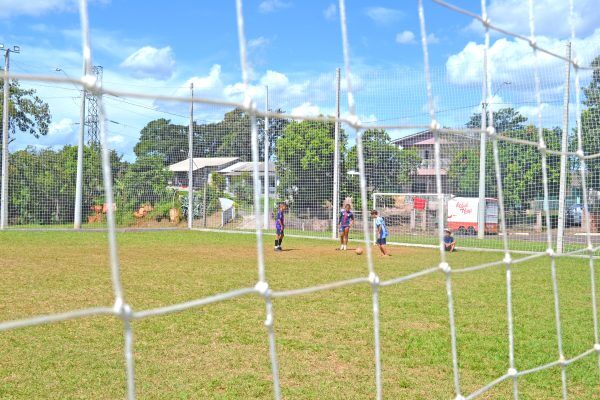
(497, 179)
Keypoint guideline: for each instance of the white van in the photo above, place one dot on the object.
(463, 215)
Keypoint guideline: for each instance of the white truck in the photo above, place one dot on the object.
(463, 215)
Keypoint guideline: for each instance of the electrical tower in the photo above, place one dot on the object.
(92, 120)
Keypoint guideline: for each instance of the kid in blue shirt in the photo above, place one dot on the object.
(449, 242)
(381, 232)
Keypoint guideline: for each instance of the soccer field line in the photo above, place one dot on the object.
(574, 253)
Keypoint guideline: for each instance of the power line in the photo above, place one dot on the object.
(456, 109)
(145, 106)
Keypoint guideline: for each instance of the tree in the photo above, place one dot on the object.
(235, 130)
(590, 125)
(144, 181)
(520, 165)
(42, 184)
(276, 129)
(387, 168)
(160, 138)
(505, 120)
(305, 162)
(28, 112)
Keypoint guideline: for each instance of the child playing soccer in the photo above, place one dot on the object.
(345, 223)
(279, 226)
(382, 233)
(449, 242)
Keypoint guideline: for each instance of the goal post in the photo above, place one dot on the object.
(411, 218)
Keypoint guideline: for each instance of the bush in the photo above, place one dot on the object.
(243, 190)
(160, 211)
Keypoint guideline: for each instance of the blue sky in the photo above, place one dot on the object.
(294, 47)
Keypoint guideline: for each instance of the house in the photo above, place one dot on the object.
(202, 168)
(423, 143)
(244, 170)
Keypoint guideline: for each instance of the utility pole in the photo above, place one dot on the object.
(563, 156)
(266, 166)
(92, 117)
(93, 129)
(80, 144)
(482, 155)
(336, 159)
(190, 218)
(5, 117)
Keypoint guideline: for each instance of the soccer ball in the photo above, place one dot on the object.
(359, 251)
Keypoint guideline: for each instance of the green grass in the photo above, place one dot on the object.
(324, 340)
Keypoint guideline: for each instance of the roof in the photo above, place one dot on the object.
(201, 162)
(246, 166)
(410, 140)
(429, 142)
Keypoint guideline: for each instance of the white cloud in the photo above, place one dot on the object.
(384, 16)
(258, 42)
(113, 43)
(551, 17)
(11, 8)
(274, 79)
(278, 81)
(210, 85)
(432, 39)
(306, 109)
(150, 62)
(330, 12)
(269, 6)
(408, 37)
(235, 92)
(405, 37)
(116, 139)
(209, 82)
(510, 58)
(61, 128)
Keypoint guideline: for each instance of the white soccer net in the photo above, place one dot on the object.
(499, 179)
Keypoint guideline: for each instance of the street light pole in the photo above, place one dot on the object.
(5, 112)
(562, 189)
(336, 159)
(482, 161)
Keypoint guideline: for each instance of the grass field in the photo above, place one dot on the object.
(324, 340)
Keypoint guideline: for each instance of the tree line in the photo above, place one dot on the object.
(42, 182)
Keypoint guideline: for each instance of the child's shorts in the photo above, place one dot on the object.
(381, 241)
(342, 228)
(279, 231)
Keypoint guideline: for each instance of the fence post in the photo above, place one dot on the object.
(204, 208)
(266, 166)
(4, 194)
(563, 157)
(336, 159)
(482, 156)
(191, 161)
